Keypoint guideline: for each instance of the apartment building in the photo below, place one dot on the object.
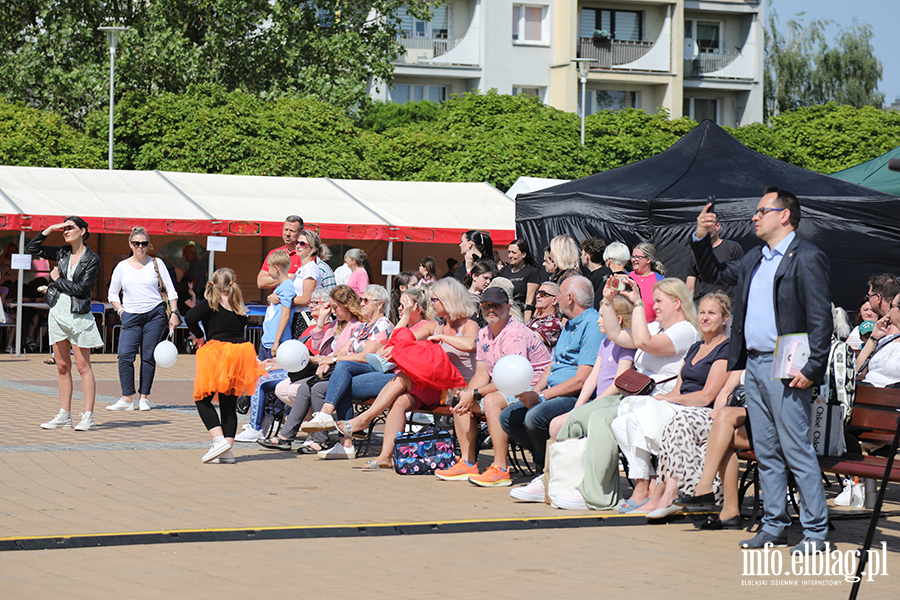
(702, 58)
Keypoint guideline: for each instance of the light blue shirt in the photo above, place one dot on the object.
(760, 329)
(286, 293)
(578, 345)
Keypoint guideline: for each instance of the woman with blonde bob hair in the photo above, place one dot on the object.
(660, 349)
(226, 362)
(564, 252)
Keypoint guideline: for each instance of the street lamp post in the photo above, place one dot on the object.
(112, 38)
(584, 68)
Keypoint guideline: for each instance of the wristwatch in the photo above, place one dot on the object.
(541, 397)
(477, 395)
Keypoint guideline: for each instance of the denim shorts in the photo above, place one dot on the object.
(510, 399)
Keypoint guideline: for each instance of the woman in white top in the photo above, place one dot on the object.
(882, 351)
(306, 280)
(661, 347)
(141, 308)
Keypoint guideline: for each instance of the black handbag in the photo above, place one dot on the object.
(737, 397)
(423, 452)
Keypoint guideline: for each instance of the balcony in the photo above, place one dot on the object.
(423, 49)
(709, 62)
(612, 53)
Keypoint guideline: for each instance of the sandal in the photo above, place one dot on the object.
(372, 465)
(274, 443)
(346, 430)
(308, 448)
(50, 361)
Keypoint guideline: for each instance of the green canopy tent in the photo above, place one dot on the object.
(874, 174)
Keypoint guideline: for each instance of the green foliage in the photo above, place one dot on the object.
(378, 116)
(54, 58)
(613, 139)
(34, 138)
(209, 130)
(802, 70)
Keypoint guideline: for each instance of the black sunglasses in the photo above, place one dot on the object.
(138, 244)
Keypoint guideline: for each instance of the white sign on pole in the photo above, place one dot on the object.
(216, 243)
(390, 267)
(21, 261)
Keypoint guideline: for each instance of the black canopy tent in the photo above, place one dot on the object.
(658, 199)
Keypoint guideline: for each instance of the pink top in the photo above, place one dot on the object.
(515, 338)
(646, 283)
(359, 279)
(321, 339)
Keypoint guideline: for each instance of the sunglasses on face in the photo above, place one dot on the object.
(543, 294)
(634, 258)
(435, 299)
(761, 212)
(138, 244)
(302, 244)
(364, 301)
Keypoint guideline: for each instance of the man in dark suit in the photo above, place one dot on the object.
(782, 288)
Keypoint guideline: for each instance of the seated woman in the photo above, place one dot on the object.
(661, 347)
(730, 431)
(427, 272)
(349, 363)
(565, 254)
(545, 321)
(402, 282)
(880, 356)
(327, 338)
(476, 282)
(683, 442)
(591, 418)
(457, 335)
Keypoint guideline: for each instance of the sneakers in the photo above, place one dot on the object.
(338, 452)
(62, 420)
(144, 405)
(762, 538)
(533, 492)
(571, 501)
(493, 477)
(86, 423)
(219, 447)
(858, 495)
(226, 458)
(458, 472)
(319, 422)
(843, 499)
(248, 436)
(121, 404)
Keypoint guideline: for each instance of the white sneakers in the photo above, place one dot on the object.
(853, 495)
(570, 501)
(533, 492)
(248, 436)
(338, 452)
(62, 420)
(219, 447)
(121, 404)
(226, 458)
(143, 404)
(319, 422)
(86, 423)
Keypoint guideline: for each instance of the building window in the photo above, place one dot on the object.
(613, 100)
(438, 26)
(706, 34)
(529, 24)
(403, 93)
(623, 25)
(700, 109)
(528, 91)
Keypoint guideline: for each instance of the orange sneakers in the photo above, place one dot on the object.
(458, 472)
(493, 477)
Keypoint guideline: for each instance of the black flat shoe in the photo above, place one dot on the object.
(696, 501)
(713, 523)
(274, 443)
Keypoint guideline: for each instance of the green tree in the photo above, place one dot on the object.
(802, 70)
(210, 130)
(54, 58)
(34, 138)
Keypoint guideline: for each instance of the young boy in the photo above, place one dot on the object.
(277, 324)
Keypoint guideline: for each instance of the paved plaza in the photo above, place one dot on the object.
(371, 535)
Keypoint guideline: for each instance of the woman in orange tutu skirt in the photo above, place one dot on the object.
(226, 362)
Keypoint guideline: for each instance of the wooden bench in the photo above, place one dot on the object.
(875, 412)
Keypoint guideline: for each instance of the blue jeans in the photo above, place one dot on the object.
(369, 385)
(140, 331)
(530, 427)
(340, 387)
(779, 417)
(258, 399)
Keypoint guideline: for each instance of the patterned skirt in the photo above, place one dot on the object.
(683, 450)
(79, 330)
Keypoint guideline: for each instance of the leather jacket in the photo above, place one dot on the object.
(80, 284)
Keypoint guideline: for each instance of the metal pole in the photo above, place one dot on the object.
(583, 104)
(112, 74)
(20, 287)
(390, 256)
(212, 265)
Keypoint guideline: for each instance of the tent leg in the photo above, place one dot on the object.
(212, 264)
(390, 256)
(20, 287)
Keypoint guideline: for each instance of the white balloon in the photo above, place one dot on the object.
(292, 356)
(165, 354)
(513, 374)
